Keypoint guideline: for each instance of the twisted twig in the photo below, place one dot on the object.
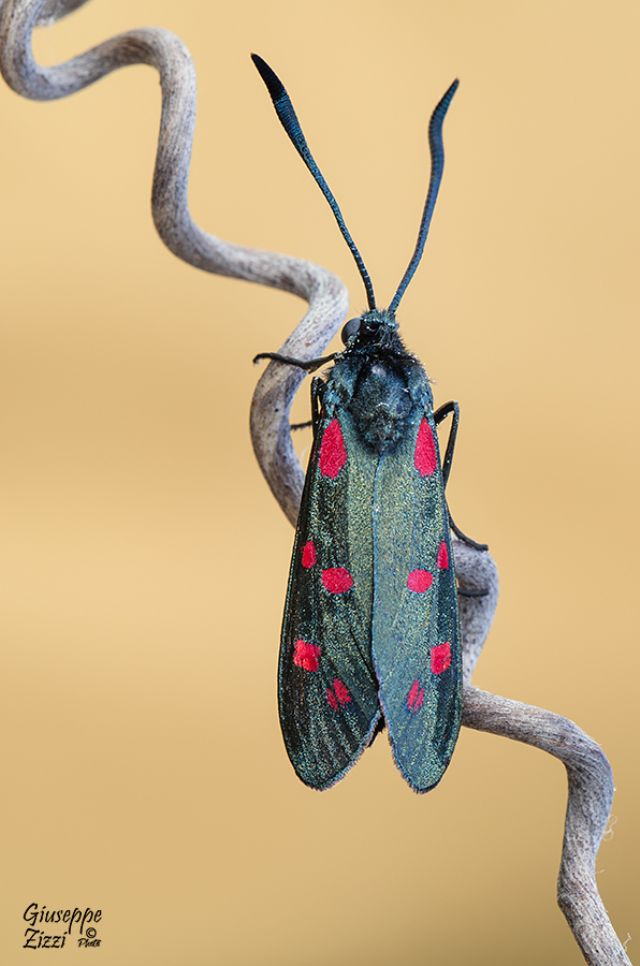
(590, 781)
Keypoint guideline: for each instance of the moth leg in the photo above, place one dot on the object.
(438, 416)
(318, 387)
(317, 392)
(445, 410)
(468, 540)
(307, 364)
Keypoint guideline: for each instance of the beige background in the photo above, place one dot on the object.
(144, 561)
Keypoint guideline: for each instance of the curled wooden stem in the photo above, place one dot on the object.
(590, 795)
(590, 781)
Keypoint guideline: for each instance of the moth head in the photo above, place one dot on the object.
(371, 329)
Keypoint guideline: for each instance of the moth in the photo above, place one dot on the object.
(370, 635)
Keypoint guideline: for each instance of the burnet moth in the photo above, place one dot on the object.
(370, 635)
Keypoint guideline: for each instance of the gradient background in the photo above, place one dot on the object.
(144, 560)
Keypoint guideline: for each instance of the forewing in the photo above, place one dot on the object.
(415, 638)
(327, 688)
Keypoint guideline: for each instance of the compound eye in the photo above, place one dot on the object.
(350, 330)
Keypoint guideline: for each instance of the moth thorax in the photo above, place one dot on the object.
(381, 406)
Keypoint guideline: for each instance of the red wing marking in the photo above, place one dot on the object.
(339, 695)
(440, 657)
(415, 698)
(333, 453)
(425, 460)
(331, 698)
(309, 555)
(337, 580)
(342, 691)
(443, 556)
(419, 581)
(306, 656)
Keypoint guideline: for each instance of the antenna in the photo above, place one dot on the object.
(436, 148)
(289, 121)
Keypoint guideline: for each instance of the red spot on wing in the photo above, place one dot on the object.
(425, 459)
(342, 691)
(419, 580)
(415, 698)
(339, 695)
(333, 453)
(443, 556)
(440, 657)
(309, 555)
(306, 656)
(337, 580)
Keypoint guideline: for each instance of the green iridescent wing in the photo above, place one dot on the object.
(415, 638)
(327, 688)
